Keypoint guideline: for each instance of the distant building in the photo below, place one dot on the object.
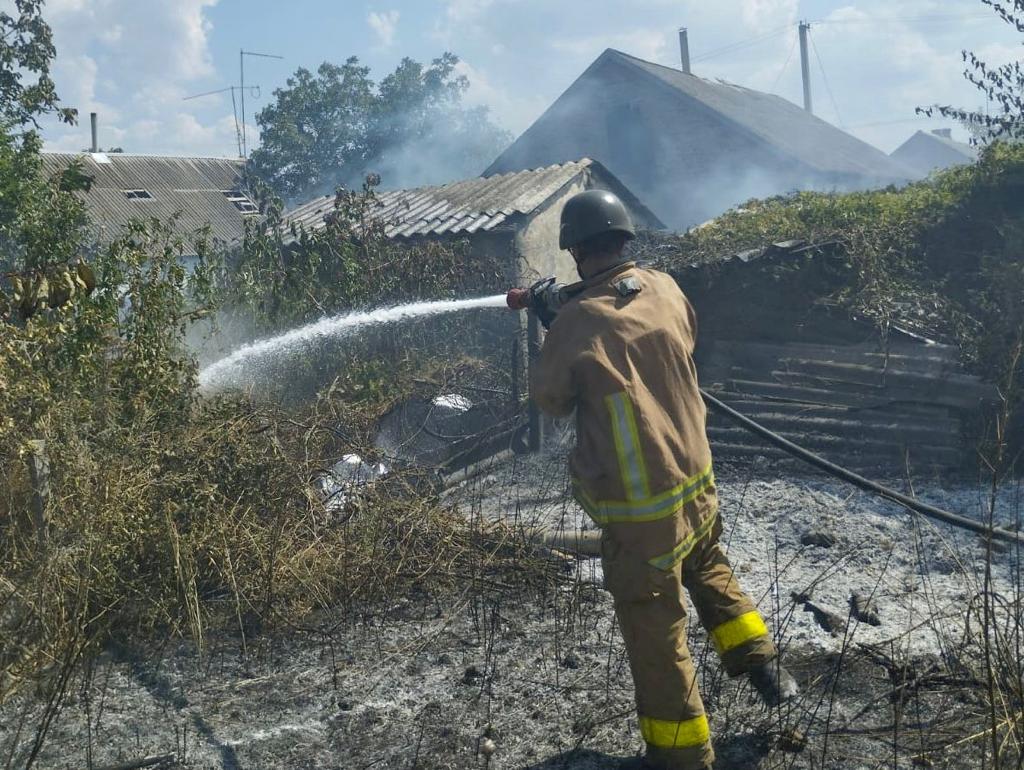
(691, 147)
(928, 151)
(513, 218)
(192, 192)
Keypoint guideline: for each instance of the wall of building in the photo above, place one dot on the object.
(537, 243)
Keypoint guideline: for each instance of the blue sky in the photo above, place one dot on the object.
(134, 61)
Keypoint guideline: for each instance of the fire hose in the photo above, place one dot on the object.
(856, 479)
(545, 299)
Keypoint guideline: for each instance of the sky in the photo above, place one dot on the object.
(134, 62)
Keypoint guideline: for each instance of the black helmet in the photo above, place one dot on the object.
(591, 213)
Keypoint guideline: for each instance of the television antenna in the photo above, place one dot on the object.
(242, 53)
(255, 90)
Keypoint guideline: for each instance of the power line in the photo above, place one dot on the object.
(828, 87)
(941, 19)
(741, 44)
(789, 58)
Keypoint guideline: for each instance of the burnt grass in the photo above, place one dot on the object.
(421, 684)
(526, 658)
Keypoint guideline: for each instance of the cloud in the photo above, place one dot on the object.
(761, 14)
(134, 63)
(384, 24)
(458, 11)
(650, 44)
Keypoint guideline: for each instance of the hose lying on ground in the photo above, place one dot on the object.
(857, 480)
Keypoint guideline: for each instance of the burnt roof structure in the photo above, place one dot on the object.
(193, 192)
(928, 151)
(692, 147)
(477, 205)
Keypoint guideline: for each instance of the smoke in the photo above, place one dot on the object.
(457, 145)
(681, 204)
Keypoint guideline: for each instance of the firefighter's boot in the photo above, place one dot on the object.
(773, 682)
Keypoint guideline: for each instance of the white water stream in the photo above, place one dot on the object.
(231, 368)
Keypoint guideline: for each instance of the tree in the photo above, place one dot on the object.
(337, 126)
(1003, 86)
(26, 51)
(40, 218)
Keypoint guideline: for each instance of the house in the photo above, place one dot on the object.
(513, 218)
(188, 193)
(691, 147)
(928, 151)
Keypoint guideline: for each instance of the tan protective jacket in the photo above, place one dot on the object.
(623, 359)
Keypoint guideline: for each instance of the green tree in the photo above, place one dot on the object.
(1003, 87)
(337, 126)
(26, 52)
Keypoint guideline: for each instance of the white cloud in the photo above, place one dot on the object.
(459, 11)
(761, 15)
(384, 24)
(650, 44)
(133, 63)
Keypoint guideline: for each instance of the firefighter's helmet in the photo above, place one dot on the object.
(591, 213)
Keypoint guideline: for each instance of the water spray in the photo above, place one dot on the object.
(232, 367)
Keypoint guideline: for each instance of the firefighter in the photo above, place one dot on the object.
(620, 354)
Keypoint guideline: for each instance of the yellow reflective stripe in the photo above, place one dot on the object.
(627, 446)
(737, 631)
(649, 509)
(669, 560)
(675, 735)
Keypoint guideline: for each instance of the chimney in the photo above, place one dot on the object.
(684, 49)
(95, 138)
(945, 133)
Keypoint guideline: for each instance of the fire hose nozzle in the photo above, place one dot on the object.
(518, 299)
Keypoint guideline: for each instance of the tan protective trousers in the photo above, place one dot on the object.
(651, 609)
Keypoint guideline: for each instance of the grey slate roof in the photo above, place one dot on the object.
(927, 151)
(192, 188)
(473, 205)
(789, 129)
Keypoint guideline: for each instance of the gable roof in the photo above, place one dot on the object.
(193, 189)
(475, 205)
(789, 129)
(928, 151)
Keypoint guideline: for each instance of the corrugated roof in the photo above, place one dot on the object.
(927, 151)
(191, 189)
(471, 205)
(789, 129)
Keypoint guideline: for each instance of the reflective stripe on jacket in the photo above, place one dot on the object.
(624, 361)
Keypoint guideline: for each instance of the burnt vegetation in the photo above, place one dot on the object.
(167, 553)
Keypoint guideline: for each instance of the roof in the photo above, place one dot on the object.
(789, 129)
(927, 151)
(193, 189)
(474, 205)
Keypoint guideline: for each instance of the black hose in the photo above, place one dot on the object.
(857, 480)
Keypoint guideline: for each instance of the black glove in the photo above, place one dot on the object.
(545, 300)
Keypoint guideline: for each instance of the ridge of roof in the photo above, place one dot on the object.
(141, 156)
(467, 205)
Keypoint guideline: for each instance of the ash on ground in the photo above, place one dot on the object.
(537, 673)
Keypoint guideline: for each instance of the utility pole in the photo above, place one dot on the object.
(805, 65)
(242, 53)
(684, 49)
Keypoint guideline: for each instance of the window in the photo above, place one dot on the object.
(138, 195)
(241, 201)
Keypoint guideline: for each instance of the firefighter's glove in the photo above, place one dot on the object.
(545, 300)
